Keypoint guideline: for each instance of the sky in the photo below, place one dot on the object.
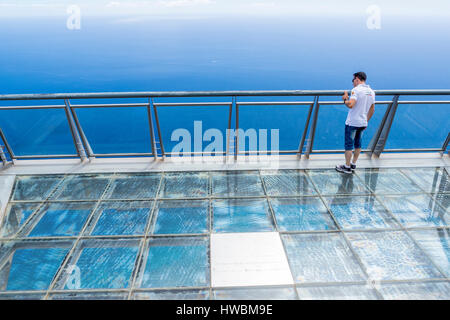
(398, 8)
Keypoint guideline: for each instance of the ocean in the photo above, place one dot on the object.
(41, 55)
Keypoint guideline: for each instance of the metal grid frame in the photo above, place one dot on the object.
(143, 239)
(84, 150)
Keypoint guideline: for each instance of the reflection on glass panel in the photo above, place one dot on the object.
(177, 262)
(235, 183)
(331, 126)
(387, 181)
(48, 128)
(121, 218)
(199, 121)
(416, 291)
(430, 179)
(436, 244)
(414, 128)
(184, 185)
(16, 216)
(100, 264)
(301, 214)
(242, 215)
(335, 292)
(89, 296)
(416, 210)
(321, 258)
(287, 183)
(34, 187)
(264, 293)
(133, 186)
(360, 212)
(181, 216)
(443, 199)
(333, 182)
(392, 256)
(120, 128)
(82, 187)
(171, 295)
(60, 219)
(254, 119)
(30, 265)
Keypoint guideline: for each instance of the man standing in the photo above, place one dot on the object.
(362, 107)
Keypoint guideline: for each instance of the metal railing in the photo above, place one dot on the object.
(306, 144)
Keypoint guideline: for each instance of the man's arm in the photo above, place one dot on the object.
(371, 112)
(350, 103)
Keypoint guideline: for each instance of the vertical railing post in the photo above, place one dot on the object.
(85, 141)
(445, 145)
(2, 156)
(236, 144)
(228, 132)
(378, 142)
(75, 135)
(152, 132)
(8, 147)
(305, 130)
(159, 131)
(312, 132)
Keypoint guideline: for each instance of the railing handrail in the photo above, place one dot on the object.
(84, 149)
(156, 94)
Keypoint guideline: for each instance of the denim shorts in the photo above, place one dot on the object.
(353, 137)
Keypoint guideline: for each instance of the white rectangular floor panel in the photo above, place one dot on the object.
(248, 259)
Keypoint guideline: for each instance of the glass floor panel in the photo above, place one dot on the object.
(30, 265)
(337, 292)
(392, 256)
(16, 216)
(184, 185)
(121, 218)
(267, 293)
(416, 291)
(416, 210)
(171, 295)
(232, 184)
(436, 244)
(432, 180)
(59, 219)
(134, 187)
(331, 182)
(360, 212)
(176, 262)
(387, 181)
(181, 216)
(35, 187)
(242, 215)
(302, 214)
(321, 258)
(83, 187)
(287, 183)
(100, 264)
(377, 234)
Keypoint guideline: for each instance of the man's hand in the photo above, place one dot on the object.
(345, 96)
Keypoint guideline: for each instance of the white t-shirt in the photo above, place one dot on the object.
(365, 97)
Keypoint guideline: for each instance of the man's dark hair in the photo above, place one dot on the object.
(360, 75)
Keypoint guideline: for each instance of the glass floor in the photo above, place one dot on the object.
(286, 234)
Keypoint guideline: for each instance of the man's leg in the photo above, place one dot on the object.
(349, 136)
(357, 142)
(348, 157)
(356, 155)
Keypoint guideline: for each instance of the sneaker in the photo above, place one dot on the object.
(343, 169)
(353, 167)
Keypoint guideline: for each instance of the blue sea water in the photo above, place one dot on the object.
(40, 55)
